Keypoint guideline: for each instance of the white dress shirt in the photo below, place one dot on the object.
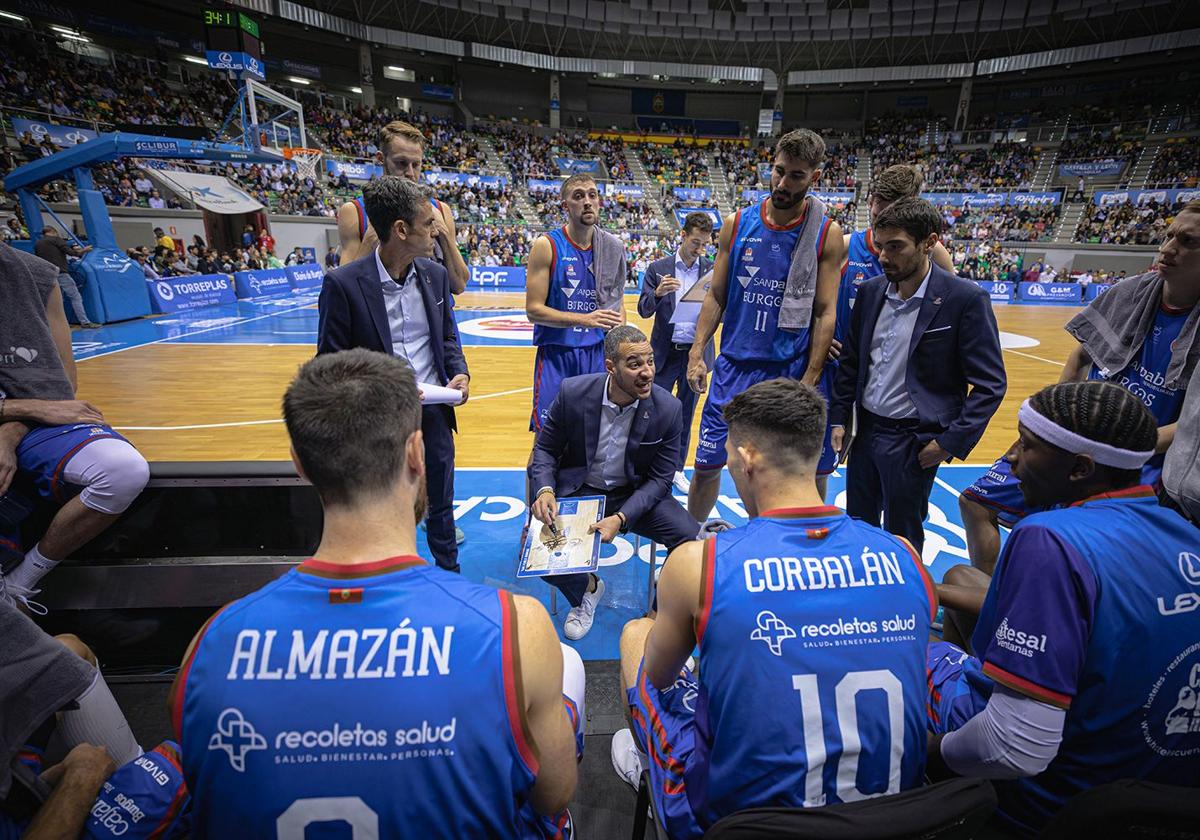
(607, 469)
(685, 331)
(407, 321)
(886, 392)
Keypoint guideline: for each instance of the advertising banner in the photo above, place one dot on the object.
(692, 193)
(682, 213)
(192, 291)
(999, 290)
(1050, 293)
(60, 135)
(307, 276)
(1090, 168)
(498, 276)
(266, 282)
(576, 166)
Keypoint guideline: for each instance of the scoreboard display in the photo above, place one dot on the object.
(232, 41)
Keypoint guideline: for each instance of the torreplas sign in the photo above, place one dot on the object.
(177, 294)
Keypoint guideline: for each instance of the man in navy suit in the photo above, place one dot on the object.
(665, 282)
(616, 435)
(397, 300)
(922, 363)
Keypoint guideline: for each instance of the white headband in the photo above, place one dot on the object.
(1101, 453)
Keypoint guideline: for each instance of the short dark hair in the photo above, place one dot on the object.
(697, 221)
(390, 198)
(1104, 412)
(804, 144)
(570, 183)
(349, 416)
(783, 416)
(903, 180)
(915, 216)
(624, 334)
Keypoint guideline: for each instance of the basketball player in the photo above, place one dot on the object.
(367, 686)
(779, 716)
(751, 272)
(563, 295)
(52, 445)
(996, 498)
(403, 149)
(1088, 630)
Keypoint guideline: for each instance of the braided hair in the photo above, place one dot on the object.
(1103, 412)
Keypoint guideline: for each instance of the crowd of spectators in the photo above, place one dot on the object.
(526, 154)
(1097, 146)
(1126, 223)
(280, 188)
(741, 162)
(986, 261)
(610, 151)
(1004, 223)
(1177, 164)
(352, 134)
(1002, 166)
(480, 203)
(680, 164)
(495, 244)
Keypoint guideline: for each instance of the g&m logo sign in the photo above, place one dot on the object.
(505, 276)
(1050, 293)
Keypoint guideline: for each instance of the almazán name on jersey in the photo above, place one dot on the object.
(788, 574)
(366, 653)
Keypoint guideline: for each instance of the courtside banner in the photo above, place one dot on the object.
(192, 291)
(999, 290)
(1094, 290)
(307, 276)
(265, 282)
(498, 276)
(1050, 293)
(692, 193)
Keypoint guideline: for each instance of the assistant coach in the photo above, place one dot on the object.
(922, 363)
(397, 300)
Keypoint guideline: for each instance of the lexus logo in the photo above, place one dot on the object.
(1189, 567)
(226, 58)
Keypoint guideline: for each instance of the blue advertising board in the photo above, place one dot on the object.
(307, 276)
(543, 185)
(994, 199)
(681, 213)
(692, 193)
(239, 61)
(438, 176)
(627, 190)
(1050, 293)
(443, 92)
(60, 135)
(576, 166)
(498, 276)
(1145, 196)
(192, 291)
(265, 282)
(1094, 290)
(999, 290)
(1091, 168)
(355, 170)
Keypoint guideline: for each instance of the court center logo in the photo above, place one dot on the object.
(515, 327)
(237, 737)
(772, 630)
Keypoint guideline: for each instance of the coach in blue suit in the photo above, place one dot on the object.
(922, 363)
(664, 282)
(616, 435)
(397, 301)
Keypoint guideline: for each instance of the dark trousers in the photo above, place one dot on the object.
(667, 523)
(673, 376)
(439, 482)
(885, 477)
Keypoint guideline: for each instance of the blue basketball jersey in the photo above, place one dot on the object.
(382, 696)
(862, 263)
(812, 648)
(1146, 378)
(363, 222)
(572, 289)
(145, 799)
(760, 254)
(1095, 608)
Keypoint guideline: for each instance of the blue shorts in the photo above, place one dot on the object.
(729, 378)
(664, 728)
(553, 364)
(999, 490)
(958, 689)
(153, 784)
(43, 455)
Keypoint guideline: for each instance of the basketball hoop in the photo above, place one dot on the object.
(306, 160)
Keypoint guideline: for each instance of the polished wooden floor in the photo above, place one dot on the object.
(187, 402)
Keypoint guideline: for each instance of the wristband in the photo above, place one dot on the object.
(624, 521)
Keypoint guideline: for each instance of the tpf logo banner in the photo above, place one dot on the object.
(60, 135)
(506, 276)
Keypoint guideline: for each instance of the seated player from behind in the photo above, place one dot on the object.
(1088, 630)
(52, 445)
(778, 716)
(367, 686)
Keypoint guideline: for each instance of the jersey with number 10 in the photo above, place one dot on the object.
(813, 686)
(382, 696)
(760, 255)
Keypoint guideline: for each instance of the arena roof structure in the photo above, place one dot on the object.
(740, 35)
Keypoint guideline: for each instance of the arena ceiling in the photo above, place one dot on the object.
(781, 35)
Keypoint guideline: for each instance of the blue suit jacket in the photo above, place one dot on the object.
(351, 313)
(566, 443)
(662, 308)
(955, 372)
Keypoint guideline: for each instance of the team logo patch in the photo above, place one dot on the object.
(346, 596)
(237, 737)
(816, 533)
(772, 630)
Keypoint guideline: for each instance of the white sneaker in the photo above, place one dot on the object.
(681, 483)
(627, 759)
(19, 596)
(579, 619)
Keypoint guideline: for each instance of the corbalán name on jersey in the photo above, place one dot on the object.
(369, 653)
(788, 574)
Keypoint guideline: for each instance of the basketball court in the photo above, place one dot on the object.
(206, 385)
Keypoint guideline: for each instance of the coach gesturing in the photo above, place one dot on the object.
(922, 363)
(396, 300)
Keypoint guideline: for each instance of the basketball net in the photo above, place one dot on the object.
(306, 160)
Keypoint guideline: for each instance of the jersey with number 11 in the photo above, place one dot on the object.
(813, 686)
